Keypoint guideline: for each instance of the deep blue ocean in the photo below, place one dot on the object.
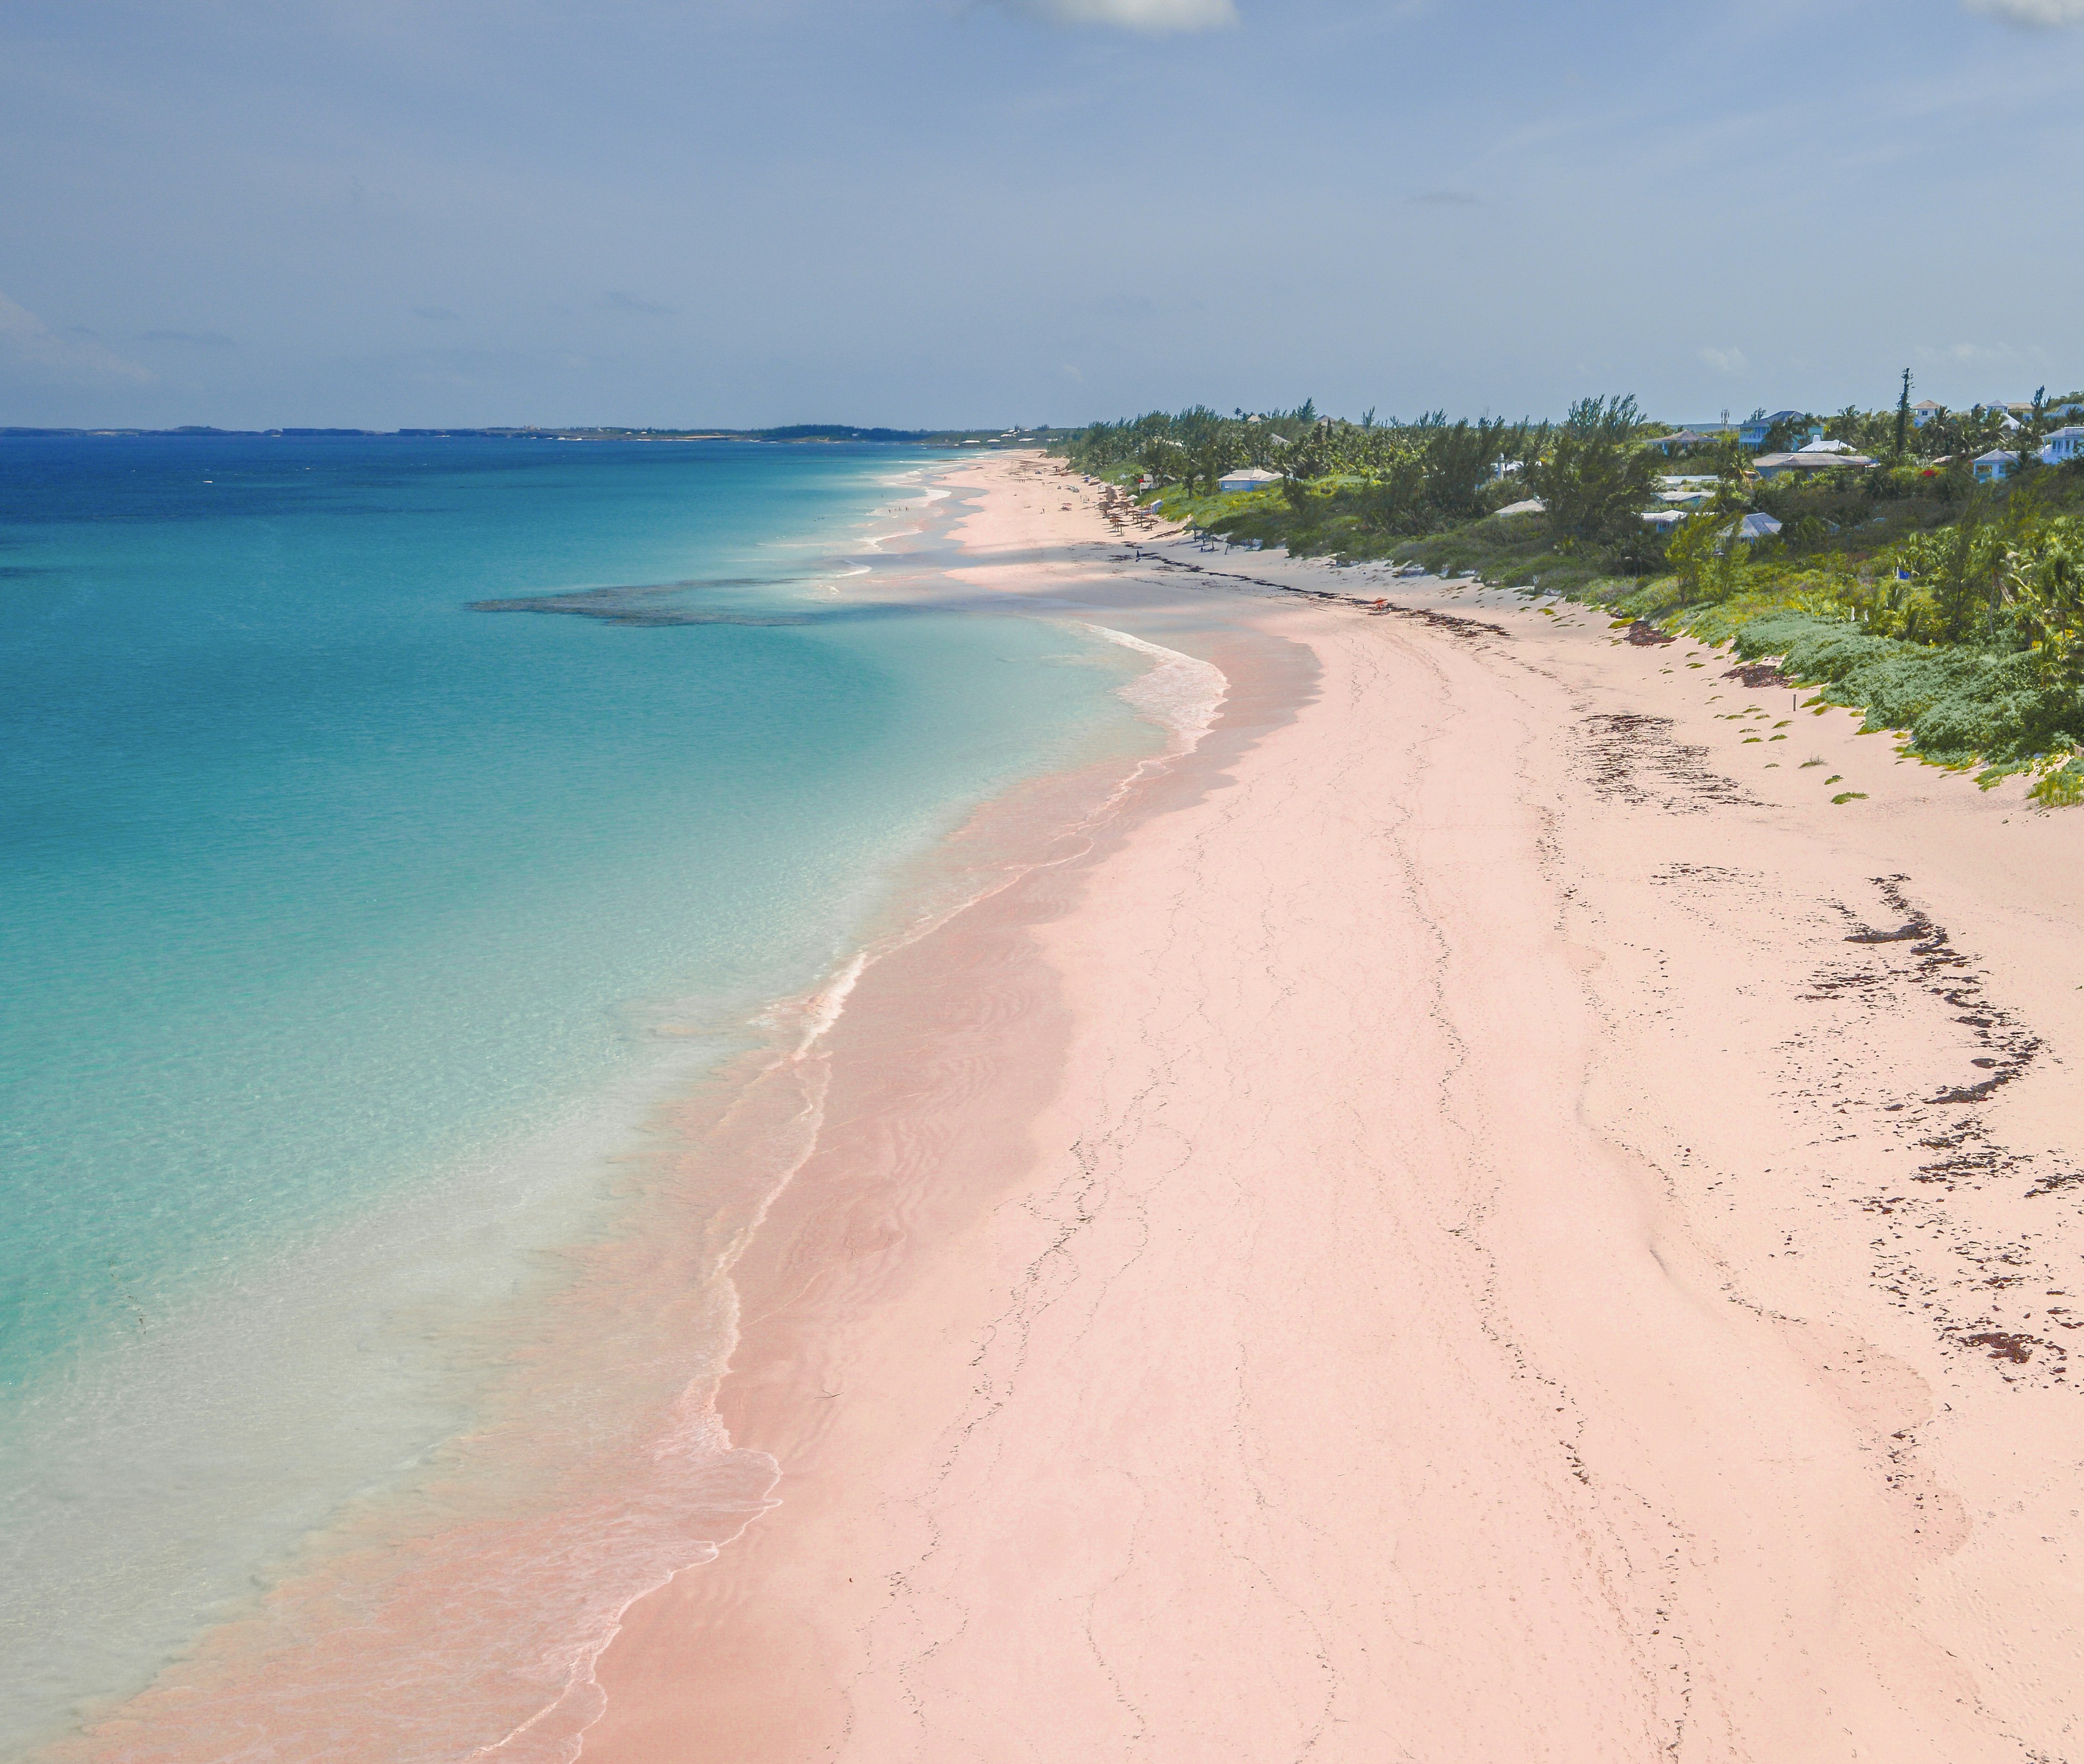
(339, 921)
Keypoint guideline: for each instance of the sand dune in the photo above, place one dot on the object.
(1482, 1217)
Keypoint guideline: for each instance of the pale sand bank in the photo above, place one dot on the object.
(1428, 1242)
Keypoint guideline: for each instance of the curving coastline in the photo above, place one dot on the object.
(1456, 1230)
(461, 1615)
(1469, 1209)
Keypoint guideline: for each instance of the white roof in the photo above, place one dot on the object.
(1758, 527)
(2066, 430)
(1533, 505)
(1821, 446)
(1994, 454)
(1250, 474)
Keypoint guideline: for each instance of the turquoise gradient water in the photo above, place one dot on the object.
(330, 906)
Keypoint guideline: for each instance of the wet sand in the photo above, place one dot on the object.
(1481, 1215)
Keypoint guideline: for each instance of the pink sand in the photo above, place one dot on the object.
(1414, 1235)
(1427, 1242)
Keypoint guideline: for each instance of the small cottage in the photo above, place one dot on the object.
(1250, 477)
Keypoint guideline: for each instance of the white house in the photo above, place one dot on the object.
(1924, 411)
(1663, 520)
(2064, 444)
(1818, 444)
(1994, 466)
(1754, 527)
(1250, 477)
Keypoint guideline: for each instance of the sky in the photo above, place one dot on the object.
(929, 213)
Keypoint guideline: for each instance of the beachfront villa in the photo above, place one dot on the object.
(1924, 411)
(1754, 431)
(1249, 478)
(2065, 444)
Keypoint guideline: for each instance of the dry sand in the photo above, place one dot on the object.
(1431, 1239)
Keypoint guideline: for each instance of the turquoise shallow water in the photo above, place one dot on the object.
(325, 897)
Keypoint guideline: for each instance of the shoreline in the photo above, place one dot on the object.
(1470, 1211)
(522, 1539)
(957, 1039)
(1387, 1251)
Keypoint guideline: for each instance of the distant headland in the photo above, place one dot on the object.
(792, 432)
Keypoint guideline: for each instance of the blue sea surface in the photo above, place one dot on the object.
(320, 889)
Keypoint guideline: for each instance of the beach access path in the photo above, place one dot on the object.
(1482, 1217)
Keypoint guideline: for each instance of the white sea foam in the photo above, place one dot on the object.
(635, 1555)
(1180, 693)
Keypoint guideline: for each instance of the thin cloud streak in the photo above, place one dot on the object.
(1150, 18)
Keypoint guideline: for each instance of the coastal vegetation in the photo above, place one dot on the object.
(1938, 591)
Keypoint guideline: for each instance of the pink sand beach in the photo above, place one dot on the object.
(1514, 1196)
(1478, 1215)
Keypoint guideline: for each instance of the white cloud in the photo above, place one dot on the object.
(1153, 18)
(27, 342)
(1725, 361)
(2037, 12)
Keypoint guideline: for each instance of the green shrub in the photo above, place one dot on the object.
(1958, 704)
